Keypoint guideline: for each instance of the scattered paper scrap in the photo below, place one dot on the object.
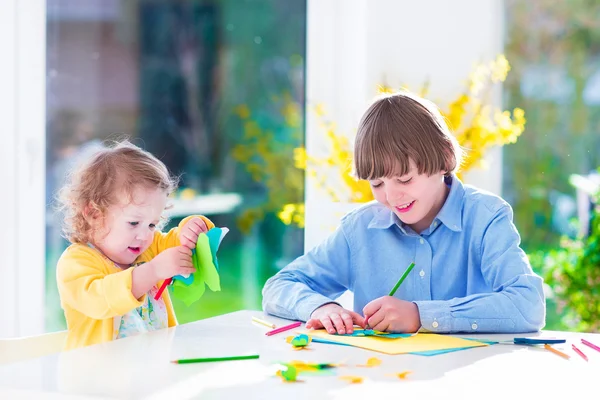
(401, 375)
(371, 362)
(299, 342)
(302, 366)
(352, 378)
(288, 373)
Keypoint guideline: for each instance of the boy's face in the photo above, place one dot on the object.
(415, 199)
(129, 227)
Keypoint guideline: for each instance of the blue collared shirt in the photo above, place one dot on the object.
(470, 274)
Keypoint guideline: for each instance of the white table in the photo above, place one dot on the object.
(139, 368)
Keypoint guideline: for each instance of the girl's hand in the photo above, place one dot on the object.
(389, 314)
(334, 318)
(188, 235)
(173, 261)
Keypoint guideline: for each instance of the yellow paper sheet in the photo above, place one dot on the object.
(412, 344)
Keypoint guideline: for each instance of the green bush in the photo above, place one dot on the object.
(573, 273)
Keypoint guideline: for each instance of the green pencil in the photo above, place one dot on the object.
(214, 359)
(402, 278)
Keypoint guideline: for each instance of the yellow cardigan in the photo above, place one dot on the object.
(93, 290)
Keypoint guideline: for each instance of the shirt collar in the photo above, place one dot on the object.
(450, 214)
(383, 218)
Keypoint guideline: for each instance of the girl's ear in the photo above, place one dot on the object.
(91, 214)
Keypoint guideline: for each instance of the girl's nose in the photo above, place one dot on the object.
(144, 234)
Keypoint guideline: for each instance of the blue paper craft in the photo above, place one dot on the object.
(417, 353)
(371, 332)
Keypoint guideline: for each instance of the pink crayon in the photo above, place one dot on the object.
(592, 345)
(284, 328)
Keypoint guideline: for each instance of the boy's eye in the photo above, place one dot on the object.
(134, 223)
(404, 182)
(376, 185)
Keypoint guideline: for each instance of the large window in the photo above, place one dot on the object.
(214, 90)
(554, 50)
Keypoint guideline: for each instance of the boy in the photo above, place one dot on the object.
(470, 274)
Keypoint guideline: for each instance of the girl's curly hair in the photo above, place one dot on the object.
(95, 185)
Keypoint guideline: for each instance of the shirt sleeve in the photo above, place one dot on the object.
(166, 240)
(516, 300)
(86, 287)
(314, 279)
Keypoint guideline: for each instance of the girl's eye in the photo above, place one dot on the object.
(152, 226)
(133, 223)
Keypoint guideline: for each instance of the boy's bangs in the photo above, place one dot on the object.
(377, 159)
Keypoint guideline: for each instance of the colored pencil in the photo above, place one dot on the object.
(557, 352)
(576, 350)
(265, 323)
(592, 345)
(166, 283)
(367, 323)
(402, 278)
(214, 359)
(284, 328)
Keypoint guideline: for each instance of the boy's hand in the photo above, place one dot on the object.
(171, 262)
(334, 318)
(188, 236)
(389, 314)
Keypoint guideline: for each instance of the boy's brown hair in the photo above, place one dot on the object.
(399, 127)
(96, 185)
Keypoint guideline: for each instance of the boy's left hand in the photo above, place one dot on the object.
(188, 236)
(389, 314)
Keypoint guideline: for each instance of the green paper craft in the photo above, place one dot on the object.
(205, 262)
(289, 373)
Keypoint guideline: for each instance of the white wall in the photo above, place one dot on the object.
(22, 166)
(354, 45)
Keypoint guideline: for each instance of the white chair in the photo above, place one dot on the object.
(23, 348)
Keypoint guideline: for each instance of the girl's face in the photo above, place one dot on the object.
(129, 226)
(415, 199)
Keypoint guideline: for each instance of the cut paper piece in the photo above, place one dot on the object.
(422, 342)
(299, 342)
(401, 375)
(371, 362)
(302, 366)
(189, 290)
(371, 332)
(438, 352)
(352, 378)
(288, 373)
(417, 353)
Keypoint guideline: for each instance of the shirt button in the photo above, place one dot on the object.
(422, 273)
(435, 324)
(434, 223)
(474, 326)
(422, 241)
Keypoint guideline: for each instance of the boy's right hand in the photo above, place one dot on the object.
(173, 261)
(334, 318)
